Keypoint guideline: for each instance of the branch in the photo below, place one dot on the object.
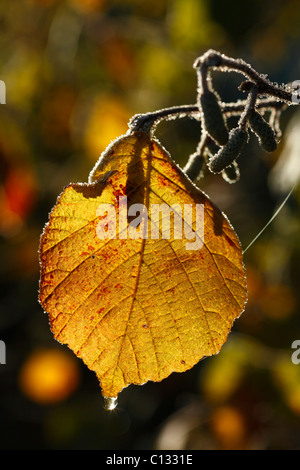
(147, 122)
(219, 146)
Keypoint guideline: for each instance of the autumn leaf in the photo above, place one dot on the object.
(132, 300)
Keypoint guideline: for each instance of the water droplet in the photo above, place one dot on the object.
(110, 403)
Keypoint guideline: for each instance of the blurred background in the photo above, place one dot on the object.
(75, 72)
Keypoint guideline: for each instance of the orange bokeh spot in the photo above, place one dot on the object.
(229, 427)
(277, 301)
(17, 198)
(49, 376)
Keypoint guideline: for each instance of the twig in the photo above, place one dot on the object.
(263, 95)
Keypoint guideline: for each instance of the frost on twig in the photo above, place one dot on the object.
(220, 146)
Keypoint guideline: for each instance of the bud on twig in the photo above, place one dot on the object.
(213, 119)
(227, 154)
(231, 173)
(195, 165)
(263, 131)
(211, 148)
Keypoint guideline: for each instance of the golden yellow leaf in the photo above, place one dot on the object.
(137, 308)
